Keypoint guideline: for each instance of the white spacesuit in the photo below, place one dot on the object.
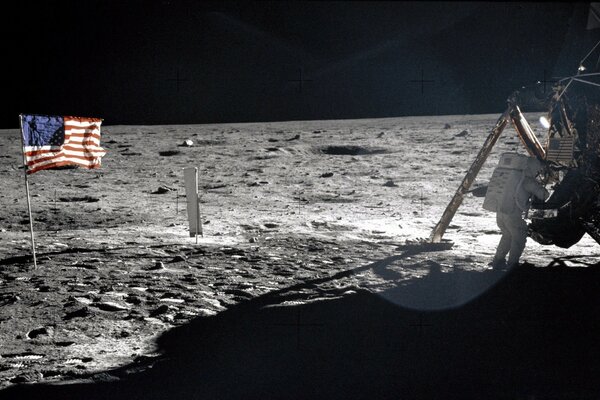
(511, 208)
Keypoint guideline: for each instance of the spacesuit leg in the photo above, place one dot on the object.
(506, 239)
(518, 232)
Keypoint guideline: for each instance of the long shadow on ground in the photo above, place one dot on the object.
(533, 334)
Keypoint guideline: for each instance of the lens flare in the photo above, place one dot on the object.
(544, 122)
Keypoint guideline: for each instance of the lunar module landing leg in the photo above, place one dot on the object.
(529, 140)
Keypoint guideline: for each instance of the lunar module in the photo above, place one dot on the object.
(572, 173)
(570, 154)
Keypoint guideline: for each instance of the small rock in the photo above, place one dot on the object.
(462, 134)
(173, 300)
(76, 300)
(168, 153)
(65, 343)
(239, 293)
(79, 313)
(158, 265)
(169, 318)
(187, 143)
(133, 299)
(32, 334)
(130, 153)
(327, 175)
(294, 138)
(253, 240)
(177, 259)
(479, 191)
(162, 190)
(447, 126)
(110, 306)
(9, 299)
(390, 183)
(160, 310)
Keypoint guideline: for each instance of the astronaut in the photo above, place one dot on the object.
(510, 213)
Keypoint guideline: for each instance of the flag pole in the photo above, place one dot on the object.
(28, 197)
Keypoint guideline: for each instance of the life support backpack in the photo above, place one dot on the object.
(509, 172)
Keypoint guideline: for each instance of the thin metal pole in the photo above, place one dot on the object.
(197, 216)
(28, 198)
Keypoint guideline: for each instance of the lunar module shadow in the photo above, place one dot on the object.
(533, 333)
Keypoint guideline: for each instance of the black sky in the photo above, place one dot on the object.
(171, 62)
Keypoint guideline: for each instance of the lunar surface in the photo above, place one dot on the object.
(296, 216)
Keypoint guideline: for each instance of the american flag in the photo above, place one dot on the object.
(560, 149)
(54, 141)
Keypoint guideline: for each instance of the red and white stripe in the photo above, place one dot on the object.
(81, 147)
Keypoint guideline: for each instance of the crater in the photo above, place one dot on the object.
(350, 150)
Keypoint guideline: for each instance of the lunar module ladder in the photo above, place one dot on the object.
(529, 140)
